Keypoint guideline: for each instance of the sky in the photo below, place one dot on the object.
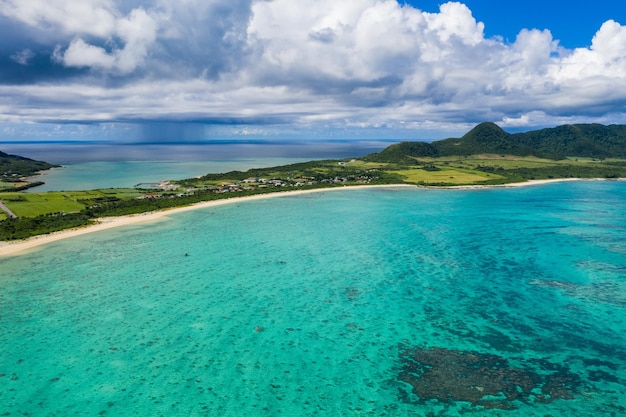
(200, 70)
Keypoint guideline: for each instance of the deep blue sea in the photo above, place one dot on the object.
(371, 302)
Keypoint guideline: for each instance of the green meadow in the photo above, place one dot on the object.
(35, 204)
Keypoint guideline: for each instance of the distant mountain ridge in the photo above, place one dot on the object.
(14, 166)
(579, 140)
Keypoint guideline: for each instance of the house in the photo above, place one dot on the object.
(149, 195)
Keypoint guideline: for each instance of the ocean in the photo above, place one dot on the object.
(368, 302)
(87, 166)
(128, 174)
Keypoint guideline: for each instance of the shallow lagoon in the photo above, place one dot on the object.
(385, 302)
(89, 166)
(128, 174)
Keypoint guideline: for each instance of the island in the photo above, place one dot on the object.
(485, 156)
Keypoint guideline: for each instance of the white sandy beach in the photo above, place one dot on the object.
(518, 184)
(21, 246)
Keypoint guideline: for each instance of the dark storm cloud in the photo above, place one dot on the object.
(207, 39)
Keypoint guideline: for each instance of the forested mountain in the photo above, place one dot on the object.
(586, 140)
(580, 140)
(13, 166)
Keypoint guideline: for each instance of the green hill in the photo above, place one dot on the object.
(580, 140)
(13, 167)
(403, 152)
(484, 138)
(583, 140)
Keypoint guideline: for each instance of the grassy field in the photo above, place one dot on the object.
(495, 161)
(446, 176)
(30, 205)
(34, 204)
(514, 162)
(477, 169)
(357, 163)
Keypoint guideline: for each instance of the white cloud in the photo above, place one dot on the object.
(99, 20)
(315, 63)
(535, 48)
(455, 20)
(610, 40)
(137, 32)
(360, 40)
(380, 52)
(605, 58)
(246, 131)
(373, 51)
(81, 54)
(92, 17)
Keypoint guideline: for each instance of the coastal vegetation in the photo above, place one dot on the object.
(15, 169)
(25, 227)
(486, 155)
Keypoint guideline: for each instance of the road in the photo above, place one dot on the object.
(7, 210)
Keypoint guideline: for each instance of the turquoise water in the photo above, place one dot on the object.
(377, 302)
(112, 165)
(120, 174)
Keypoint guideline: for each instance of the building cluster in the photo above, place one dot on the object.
(252, 184)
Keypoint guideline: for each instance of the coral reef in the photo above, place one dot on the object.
(481, 379)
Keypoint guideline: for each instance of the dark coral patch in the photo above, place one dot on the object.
(481, 379)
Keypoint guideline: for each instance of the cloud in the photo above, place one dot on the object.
(137, 32)
(311, 65)
(81, 54)
(206, 38)
(605, 58)
(610, 40)
(92, 17)
(455, 20)
(100, 20)
(23, 57)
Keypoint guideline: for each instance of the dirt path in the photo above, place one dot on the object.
(7, 210)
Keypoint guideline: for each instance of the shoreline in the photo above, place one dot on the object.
(21, 246)
(520, 184)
